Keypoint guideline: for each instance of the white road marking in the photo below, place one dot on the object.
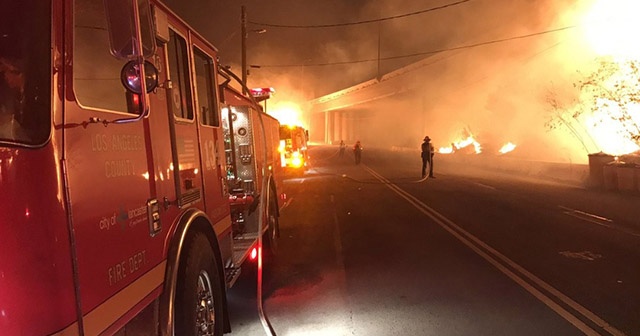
(595, 219)
(584, 255)
(501, 262)
(578, 212)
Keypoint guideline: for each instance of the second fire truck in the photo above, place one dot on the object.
(293, 148)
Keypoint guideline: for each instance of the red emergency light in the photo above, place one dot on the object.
(268, 90)
(262, 93)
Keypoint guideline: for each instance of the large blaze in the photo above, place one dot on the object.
(287, 113)
(600, 108)
(611, 28)
(609, 131)
(604, 114)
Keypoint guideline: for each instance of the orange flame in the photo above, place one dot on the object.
(508, 147)
(609, 131)
(462, 144)
(287, 113)
(611, 26)
(445, 150)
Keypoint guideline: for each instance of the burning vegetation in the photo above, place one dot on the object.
(470, 145)
(604, 112)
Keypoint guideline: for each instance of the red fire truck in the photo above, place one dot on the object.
(114, 186)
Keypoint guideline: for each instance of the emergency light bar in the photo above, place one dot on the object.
(262, 93)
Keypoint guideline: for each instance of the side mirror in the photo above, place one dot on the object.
(130, 77)
(131, 37)
(122, 22)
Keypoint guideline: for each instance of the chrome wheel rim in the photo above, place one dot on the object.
(205, 308)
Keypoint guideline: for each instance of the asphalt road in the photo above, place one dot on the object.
(372, 249)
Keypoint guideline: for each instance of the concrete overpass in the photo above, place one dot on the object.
(339, 115)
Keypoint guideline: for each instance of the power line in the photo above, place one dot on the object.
(358, 22)
(468, 46)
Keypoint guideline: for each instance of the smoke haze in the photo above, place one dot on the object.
(495, 92)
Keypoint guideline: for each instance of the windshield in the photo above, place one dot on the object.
(96, 72)
(25, 68)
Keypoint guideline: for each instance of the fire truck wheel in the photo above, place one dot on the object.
(199, 294)
(271, 237)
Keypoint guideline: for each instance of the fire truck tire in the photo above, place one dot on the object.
(199, 306)
(271, 236)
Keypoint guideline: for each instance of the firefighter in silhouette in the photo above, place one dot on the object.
(357, 151)
(343, 146)
(427, 156)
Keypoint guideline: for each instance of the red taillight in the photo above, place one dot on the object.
(254, 254)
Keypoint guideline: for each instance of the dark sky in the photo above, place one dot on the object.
(219, 21)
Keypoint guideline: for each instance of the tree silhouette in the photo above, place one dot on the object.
(610, 93)
(613, 87)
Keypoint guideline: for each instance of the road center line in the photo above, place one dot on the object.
(494, 257)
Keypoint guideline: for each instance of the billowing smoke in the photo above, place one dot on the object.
(497, 92)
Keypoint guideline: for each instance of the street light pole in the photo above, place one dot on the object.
(243, 22)
(378, 76)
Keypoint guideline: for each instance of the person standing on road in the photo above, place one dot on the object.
(357, 151)
(427, 156)
(342, 148)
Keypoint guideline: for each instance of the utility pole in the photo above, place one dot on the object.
(378, 76)
(243, 22)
